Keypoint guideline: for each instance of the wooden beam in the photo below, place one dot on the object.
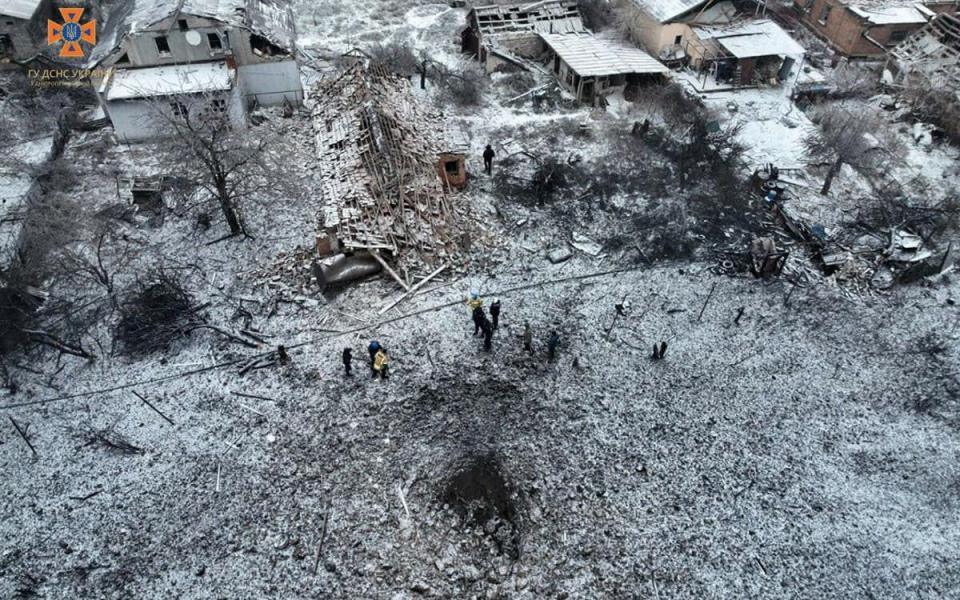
(393, 273)
(413, 289)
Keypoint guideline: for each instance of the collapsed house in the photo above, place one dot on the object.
(552, 32)
(504, 36)
(230, 53)
(383, 169)
(23, 24)
(929, 58)
(714, 38)
(868, 28)
(588, 66)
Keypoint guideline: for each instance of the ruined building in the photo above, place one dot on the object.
(930, 57)
(868, 28)
(223, 54)
(502, 35)
(382, 180)
(550, 36)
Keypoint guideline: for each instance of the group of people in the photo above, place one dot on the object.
(482, 325)
(379, 360)
(486, 327)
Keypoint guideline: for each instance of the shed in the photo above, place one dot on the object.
(451, 163)
(745, 51)
(587, 65)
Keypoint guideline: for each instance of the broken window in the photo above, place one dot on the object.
(677, 40)
(261, 46)
(898, 36)
(214, 41)
(452, 167)
(182, 24)
(179, 109)
(163, 47)
(825, 14)
(219, 104)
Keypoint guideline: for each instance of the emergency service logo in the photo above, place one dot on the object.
(71, 33)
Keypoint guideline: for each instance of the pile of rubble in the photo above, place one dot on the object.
(379, 150)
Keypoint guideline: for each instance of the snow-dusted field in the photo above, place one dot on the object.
(795, 442)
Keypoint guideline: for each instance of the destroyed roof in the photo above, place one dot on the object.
(892, 14)
(667, 10)
(547, 16)
(168, 80)
(379, 147)
(749, 39)
(591, 56)
(20, 9)
(933, 51)
(271, 19)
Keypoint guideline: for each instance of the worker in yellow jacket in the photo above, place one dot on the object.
(474, 301)
(380, 361)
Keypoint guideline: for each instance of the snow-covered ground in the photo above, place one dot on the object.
(795, 442)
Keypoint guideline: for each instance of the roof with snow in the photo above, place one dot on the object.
(750, 39)
(893, 14)
(668, 10)
(547, 16)
(271, 19)
(20, 9)
(127, 84)
(591, 56)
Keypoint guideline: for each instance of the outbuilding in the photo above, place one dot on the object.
(744, 53)
(588, 66)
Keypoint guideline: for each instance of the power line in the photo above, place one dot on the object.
(314, 340)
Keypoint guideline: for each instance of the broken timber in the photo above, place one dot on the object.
(378, 148)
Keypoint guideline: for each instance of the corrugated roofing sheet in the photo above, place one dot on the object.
(591, 56)
(170, 81)
(667, 10)
(20, 9)
(750, 39)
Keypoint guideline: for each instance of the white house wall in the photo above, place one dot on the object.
(271, 83)
(138, 120)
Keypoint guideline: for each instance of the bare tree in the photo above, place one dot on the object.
(231, 162)
(852, 138)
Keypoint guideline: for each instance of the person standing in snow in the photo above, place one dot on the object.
(659, 350)
(475, 303)
(373, 348)
(347, 359)
(495, 312)
(380, 361)
(488, 156)
(487, 328)
(527, 338)
(552, 344)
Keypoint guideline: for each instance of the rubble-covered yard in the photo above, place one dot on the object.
(800, 438)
